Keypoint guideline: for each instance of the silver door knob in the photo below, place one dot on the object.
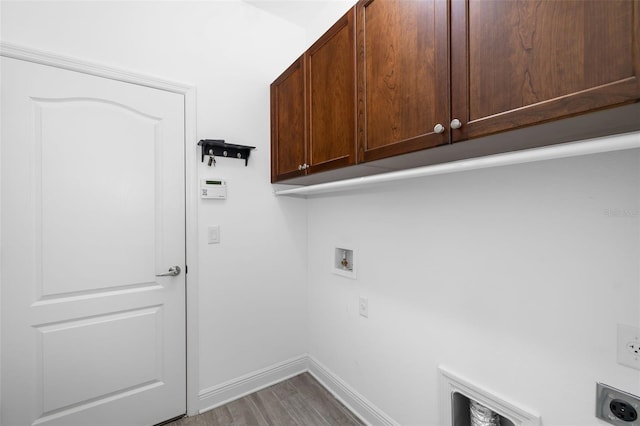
(438, 128)
(173, 271)
(456, 124)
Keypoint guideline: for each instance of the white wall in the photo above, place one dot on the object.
(315, 16)
(514, 277)
(251, 286)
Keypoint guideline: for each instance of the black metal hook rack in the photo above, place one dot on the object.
(219, 148)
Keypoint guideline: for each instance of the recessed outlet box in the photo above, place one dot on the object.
(456, 394)
(617, 407)
(629, 346)
(462, 413)
(344, 262)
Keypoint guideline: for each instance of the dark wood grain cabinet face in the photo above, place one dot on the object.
(403, 76)
(523, 62)
(394, 77)
(288, 139)
(313, 107)
(331, 97)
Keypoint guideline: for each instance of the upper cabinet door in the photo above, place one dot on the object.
(288, 143)
(331, 97)
(524, 62)
(403, 76)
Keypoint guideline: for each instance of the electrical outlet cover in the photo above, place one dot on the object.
(629, 346)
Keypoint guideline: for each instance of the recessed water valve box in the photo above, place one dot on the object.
(344, 262)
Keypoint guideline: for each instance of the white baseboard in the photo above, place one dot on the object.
(231, 390)
(221, 394)
(358, 404)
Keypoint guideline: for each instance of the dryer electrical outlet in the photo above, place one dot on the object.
(616, 406)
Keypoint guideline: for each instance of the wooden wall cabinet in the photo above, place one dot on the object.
(403, 75)
(524, 62)
(313, 107)
(511, 64)
(288, 127)
(434, 72)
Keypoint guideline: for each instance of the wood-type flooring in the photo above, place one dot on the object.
(300, 400)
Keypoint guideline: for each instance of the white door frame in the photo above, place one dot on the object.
(191, 183)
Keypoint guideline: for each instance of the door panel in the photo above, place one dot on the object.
(92, 209)
(70, 205)
(131, 363)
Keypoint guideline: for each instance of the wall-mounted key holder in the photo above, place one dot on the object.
(218, 148)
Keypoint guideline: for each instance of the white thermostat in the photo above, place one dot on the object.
(213, 188)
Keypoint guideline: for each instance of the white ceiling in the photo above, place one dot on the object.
(300, 12)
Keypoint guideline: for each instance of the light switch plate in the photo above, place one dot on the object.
(363, 307)
(213, 234)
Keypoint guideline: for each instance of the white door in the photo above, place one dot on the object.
(92, 209)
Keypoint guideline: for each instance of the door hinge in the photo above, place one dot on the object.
(186, 269)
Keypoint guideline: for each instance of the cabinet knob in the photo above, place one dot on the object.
(456, 124)
(299, 166)
(438, 128)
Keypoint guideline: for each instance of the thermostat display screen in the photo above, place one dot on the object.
(213, 189)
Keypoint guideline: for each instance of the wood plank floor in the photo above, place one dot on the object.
(300, 400)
